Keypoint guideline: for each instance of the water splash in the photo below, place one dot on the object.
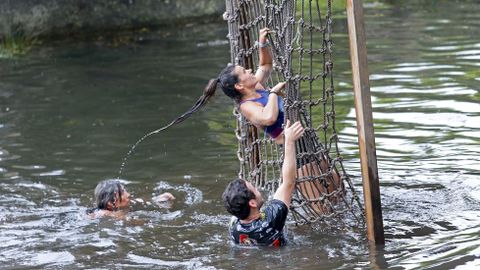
(192, 195)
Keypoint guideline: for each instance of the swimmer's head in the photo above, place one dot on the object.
(111, 195)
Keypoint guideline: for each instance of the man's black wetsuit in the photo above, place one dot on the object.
(265, 231)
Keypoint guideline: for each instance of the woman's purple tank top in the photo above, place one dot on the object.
(275, 129)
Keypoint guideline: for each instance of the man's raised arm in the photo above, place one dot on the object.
(285, 190)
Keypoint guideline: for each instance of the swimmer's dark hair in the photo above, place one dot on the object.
(105, 193)
(236, 197)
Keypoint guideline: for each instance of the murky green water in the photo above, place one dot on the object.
(70, 112)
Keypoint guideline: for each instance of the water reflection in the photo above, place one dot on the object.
(69, 113)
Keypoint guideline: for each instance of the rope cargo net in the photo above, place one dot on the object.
(302, 56)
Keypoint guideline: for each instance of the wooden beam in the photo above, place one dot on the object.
(366, 136)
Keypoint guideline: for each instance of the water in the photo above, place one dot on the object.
(200, 103)
(70, 112)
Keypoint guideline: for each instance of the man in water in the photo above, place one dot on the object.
(252, 226)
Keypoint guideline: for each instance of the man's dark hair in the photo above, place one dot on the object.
(236, 197)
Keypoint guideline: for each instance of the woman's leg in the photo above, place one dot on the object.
(318, 186)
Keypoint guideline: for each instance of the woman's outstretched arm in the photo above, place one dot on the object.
(265, 58)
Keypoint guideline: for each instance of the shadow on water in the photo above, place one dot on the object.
(70, 112)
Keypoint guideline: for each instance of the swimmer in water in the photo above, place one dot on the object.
(112, 199)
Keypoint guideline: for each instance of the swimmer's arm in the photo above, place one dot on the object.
(167, 196)
(285, 190)
(265, 58)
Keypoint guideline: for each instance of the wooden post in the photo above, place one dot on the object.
(366, 136)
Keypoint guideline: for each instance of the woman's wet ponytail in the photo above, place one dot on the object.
(208, 92)
(227, 80)
(211, 87)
